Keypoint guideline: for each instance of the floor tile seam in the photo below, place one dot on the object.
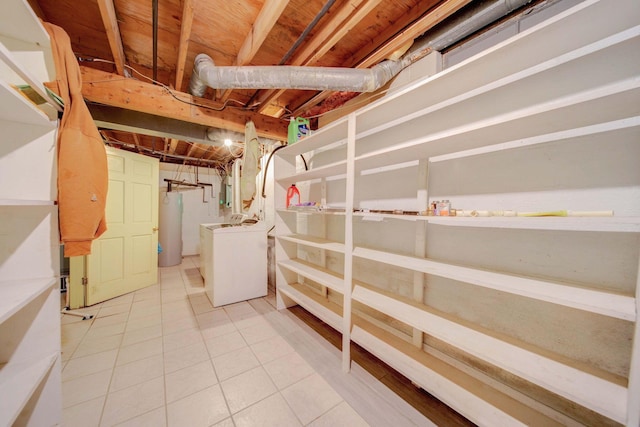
(139, 415)
(260, 401)
(269, 361)
(96, 372)
(138, 360)
(239, 373)
(300, 380)
(167, 402)
(79, 342)
(329, 410)
(354, 379)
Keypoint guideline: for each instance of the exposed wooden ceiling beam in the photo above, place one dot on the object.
(267, 18)
(108, 13)
(173, 145)
(111, 89)
(136, 140)
(183, 47)
(428, 20)
(345, 18)
(409, 33)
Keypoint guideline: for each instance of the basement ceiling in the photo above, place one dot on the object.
(138, 66)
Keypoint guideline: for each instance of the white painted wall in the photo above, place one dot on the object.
(196, 209)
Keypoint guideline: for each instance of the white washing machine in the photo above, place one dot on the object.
(236, 261)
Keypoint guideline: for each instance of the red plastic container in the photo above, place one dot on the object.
(293, 196)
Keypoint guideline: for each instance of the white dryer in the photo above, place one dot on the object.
(236, 261)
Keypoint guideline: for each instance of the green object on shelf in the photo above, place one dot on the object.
(298, 129)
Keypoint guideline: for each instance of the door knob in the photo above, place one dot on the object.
(155, 229)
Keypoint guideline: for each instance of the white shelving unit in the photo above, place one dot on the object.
(509, 320)
(30, 382)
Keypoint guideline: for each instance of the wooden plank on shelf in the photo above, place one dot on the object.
(25, 75)
(16, 294)
(595, 301)
(614, 224)
(315, 272)
(332, 134)
(22, 380)
(315, 242)
(16, 108)
(566, 112)
(330, 170)
(470, 397)
(605, 397)
(20, 202)
(320, 307)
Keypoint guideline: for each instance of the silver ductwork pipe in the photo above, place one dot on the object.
(478, 15)
(470, 19)
(206, 73)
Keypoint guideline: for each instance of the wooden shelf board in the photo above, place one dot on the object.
(16, 294)
(526, 81)
(602, 396)
(315, 242)
(600, 302)
(470, 397)
(330, 134)
(333, 169)
(612, 224)
(315, 272)
(19, 202)
(16, 108)
(19, 382)
(564, 114)
(8, 58)
(325, 310)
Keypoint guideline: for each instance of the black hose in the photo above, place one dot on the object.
(266, 168)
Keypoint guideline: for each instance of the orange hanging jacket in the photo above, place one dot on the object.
(82, 159)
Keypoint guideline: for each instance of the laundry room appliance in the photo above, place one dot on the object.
(236, 260)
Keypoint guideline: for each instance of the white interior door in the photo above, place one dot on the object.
(125, 257)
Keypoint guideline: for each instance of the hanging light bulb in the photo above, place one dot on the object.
(227, 142)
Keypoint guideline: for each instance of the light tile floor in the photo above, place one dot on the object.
(163, 356)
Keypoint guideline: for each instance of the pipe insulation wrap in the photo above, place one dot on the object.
(206, 73)
(470, 19)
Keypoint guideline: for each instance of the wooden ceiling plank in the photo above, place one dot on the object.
(108, 14)
(173, 145)
(136, 140)
(183, 47)
(426, 22)
(343, 21)
(417, 28)
(269, 15)
(111, 89)
(342, 30)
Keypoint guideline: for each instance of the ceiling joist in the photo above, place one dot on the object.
(183, 47)
(269, 14)
(392, 40)
(108, 14)
(340, 23)
(131, 94)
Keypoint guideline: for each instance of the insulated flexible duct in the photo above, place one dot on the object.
(206, 73)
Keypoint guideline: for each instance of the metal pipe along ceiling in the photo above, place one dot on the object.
(206, 73)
